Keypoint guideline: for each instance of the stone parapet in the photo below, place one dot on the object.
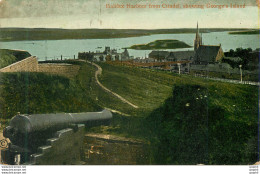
(62, 69)
(29, 64)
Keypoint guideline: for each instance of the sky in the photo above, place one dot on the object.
(75, 14)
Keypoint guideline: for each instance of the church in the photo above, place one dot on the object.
(202, 54)
(205, 54)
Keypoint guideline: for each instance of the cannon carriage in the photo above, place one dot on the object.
(60, 133)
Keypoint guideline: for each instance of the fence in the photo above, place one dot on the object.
(228, 80)
(61, 57)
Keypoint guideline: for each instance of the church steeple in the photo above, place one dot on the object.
(201, 39)
(198, 39)
(197, 33)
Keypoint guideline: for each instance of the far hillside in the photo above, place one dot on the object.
(11, 34)
(8, 57)
(246, 32)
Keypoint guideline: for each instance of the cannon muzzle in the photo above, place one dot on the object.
(26, 124)
(31, 131)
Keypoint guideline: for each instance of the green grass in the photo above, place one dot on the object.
(161, 44)
(161, 119)
(87, 81)
(142, 91)
(35, 93)
(214, 128)
(232, 109)
(148, 89)
(7, 57)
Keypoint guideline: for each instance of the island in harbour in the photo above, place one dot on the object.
(161, 44)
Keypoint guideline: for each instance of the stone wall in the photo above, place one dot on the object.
(29, 64)
(102, 149)
(63, 69)
(66, 147)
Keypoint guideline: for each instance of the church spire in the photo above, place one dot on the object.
(198, 31)
(201, 39)
(198, 39)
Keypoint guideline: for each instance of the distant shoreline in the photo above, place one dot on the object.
(246, 32)
(29, 34)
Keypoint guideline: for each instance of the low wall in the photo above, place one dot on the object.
(62, 69)
(29, 64)
(102, 149)
(66, 147)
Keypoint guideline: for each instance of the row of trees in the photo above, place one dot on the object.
(246, 56)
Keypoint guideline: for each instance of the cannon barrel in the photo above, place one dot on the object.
(26, 124)
(31, 131)
(31, 135)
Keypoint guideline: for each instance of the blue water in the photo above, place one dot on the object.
(53, 49)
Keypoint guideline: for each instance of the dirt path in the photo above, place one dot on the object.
(115, 111)
(99, 72)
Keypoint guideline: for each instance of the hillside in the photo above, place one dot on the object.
(193, 128)
(8, 57)
(186, 120)
(35, 93)
(221, 119)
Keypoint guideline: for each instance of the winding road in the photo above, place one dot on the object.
(99, 72)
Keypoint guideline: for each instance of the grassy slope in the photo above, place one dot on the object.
(161, 44)
(149, 89)
(8, 57)
(204, 131)
(146, 88)
(39, 93)
(135, 87)
(86, 80)
(232, 115)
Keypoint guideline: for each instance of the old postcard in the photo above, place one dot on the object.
(129, 82)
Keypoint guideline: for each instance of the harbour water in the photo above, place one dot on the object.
(53, 49)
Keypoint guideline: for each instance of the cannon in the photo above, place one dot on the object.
(28, 133)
